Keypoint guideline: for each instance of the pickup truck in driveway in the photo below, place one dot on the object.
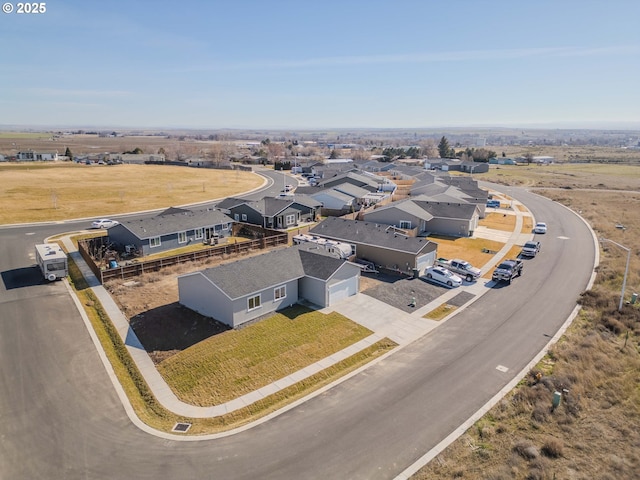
(460, 267)
(507, 271)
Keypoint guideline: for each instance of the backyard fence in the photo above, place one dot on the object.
(134, 268)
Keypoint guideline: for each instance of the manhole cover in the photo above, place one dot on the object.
(181, 427)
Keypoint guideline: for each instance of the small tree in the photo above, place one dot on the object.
(444, 149)
(67, 153)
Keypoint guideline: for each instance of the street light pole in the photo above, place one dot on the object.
(626, 270)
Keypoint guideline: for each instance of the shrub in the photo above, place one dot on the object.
(552, 448)
(526, 449)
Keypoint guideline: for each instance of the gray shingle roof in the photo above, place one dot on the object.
(250, 275)
(369, 233)
(165, 224)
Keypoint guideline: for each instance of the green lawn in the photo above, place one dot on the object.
(237, 362)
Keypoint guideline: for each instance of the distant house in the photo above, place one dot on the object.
(171, 229)
(272, 212)
(383, 245)
(423, 217)
(136, 158)
(367, 182)
(238, 292)
(33, 156)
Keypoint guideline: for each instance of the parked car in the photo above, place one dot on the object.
(288, 188)
(443, 275)
(530, 249)
(104, 223)
(540, 227)
(493, 203)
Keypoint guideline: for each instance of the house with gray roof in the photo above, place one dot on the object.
(383, 245)
(424, 217)
(272, 212)
(173, 228)
(238, 292)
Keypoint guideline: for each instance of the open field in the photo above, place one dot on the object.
(582, 153)
(48, 191)
(568, 176)
(595, 433)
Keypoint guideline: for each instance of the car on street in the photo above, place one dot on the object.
(442, 275)
(530, 249)
(540, 227)
(104, 223)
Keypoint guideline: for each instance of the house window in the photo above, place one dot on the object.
(291, 219)
(280, 292)
(353, 249)
(254, 302)
(405, 224)
(182, 237)
(154, 242)
(199, 233)
(225, 226)
(236, 217)
(244, 217)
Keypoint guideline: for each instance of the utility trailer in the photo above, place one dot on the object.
(52, 261)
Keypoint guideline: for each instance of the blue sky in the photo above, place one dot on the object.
(322, 64)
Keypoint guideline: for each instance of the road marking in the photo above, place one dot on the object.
(563, 238)
(502, 368)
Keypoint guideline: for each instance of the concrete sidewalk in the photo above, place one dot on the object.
(382, 319)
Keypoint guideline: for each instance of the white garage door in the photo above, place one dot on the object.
(341, 290)
(425, 261)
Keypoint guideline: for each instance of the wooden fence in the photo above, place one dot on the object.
(134, 268)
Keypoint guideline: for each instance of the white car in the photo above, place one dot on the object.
(540, 227)
(104, 223)
(442, 275)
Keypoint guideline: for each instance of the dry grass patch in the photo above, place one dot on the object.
(499, 221)
(237, 362)
(527, 224)
(80, 191)
(440, 312)
(473, 250)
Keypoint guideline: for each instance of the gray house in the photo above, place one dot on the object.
(381, 244)
(240, 291)
(171, 229)
(272, 212)
(425, 217)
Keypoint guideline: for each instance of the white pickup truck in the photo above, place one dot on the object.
(460, 267)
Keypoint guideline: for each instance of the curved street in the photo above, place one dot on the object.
(62, 419)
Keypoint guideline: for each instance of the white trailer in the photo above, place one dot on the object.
(52, 261)
(342, 250)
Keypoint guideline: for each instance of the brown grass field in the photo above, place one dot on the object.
(595, 432)
(58, 191)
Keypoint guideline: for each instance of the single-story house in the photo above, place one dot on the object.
(272, 212)
(33, 156)
(240, 291)
(428, 217)
(383, 245)
(171, 229)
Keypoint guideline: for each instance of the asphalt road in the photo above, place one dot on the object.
(60, 417)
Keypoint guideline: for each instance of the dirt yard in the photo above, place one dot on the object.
(150, 302)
